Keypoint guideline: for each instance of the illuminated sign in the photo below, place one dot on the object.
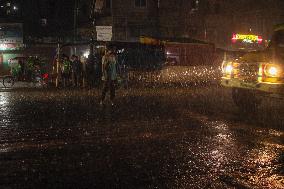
(11, 33)
(4, 47)
(247, 38)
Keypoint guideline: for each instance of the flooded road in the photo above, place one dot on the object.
(162, 137)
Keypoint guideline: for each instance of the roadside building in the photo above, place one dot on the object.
(214, 21)
(129, 19)
(11, 42)
(224, 19)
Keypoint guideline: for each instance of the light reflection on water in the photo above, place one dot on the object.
(3, 99)
(224, 143)
(210, 155)
(5, 119)
(4, 148)
(264, 161)
(4, 110)
(258, 166)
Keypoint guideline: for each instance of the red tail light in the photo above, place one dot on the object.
(45, 76)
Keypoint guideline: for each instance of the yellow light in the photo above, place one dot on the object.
(273, 71)
(249, 37)
(229, 69)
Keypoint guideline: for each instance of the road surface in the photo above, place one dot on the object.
(154, 137)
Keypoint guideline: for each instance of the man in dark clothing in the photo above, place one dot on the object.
(76, 70)
(66, 70)
(98, 69)
(90, 71)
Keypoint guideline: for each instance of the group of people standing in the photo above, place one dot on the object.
(72, 71)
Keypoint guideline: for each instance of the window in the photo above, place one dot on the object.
(108, 4)
(135, 31)
(140, 3)
(279, 38)
(217, 8)
(85, 9)
(194, 5)
(43, 22)
(192, 31)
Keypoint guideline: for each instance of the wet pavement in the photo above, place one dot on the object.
(154, 137)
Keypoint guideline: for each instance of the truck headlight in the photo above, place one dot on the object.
(228, 69)
(272, 70)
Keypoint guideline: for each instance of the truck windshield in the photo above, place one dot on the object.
(279, 44)
(279, 38)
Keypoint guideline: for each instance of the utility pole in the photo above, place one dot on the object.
(92, 18)
(75, 22)
(58, 57)
(93, 30)
(57, 65)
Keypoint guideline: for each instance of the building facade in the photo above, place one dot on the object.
(214, 21)
(129, 19)
(208, 20)
(248, 17)
(48, 19)
(40, 19)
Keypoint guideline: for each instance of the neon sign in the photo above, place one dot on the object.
(247, 38)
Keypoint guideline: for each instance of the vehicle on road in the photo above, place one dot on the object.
(27, 69)
(257, 74)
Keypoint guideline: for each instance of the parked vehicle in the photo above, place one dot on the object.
(29, 69)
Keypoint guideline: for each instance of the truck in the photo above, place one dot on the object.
(256, 75)
(187, 61)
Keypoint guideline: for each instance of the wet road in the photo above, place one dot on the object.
(163, 137)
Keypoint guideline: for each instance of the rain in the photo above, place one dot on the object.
(185, 113)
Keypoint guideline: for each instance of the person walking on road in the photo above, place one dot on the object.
(109, 75)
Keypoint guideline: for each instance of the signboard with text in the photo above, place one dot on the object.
(247, 38)
(247, 42)
(104, 33)
(11, 33)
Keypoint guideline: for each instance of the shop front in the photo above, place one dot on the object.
(11, 44)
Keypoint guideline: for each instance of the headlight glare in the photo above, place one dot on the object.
(273, 71)
(228, 69)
